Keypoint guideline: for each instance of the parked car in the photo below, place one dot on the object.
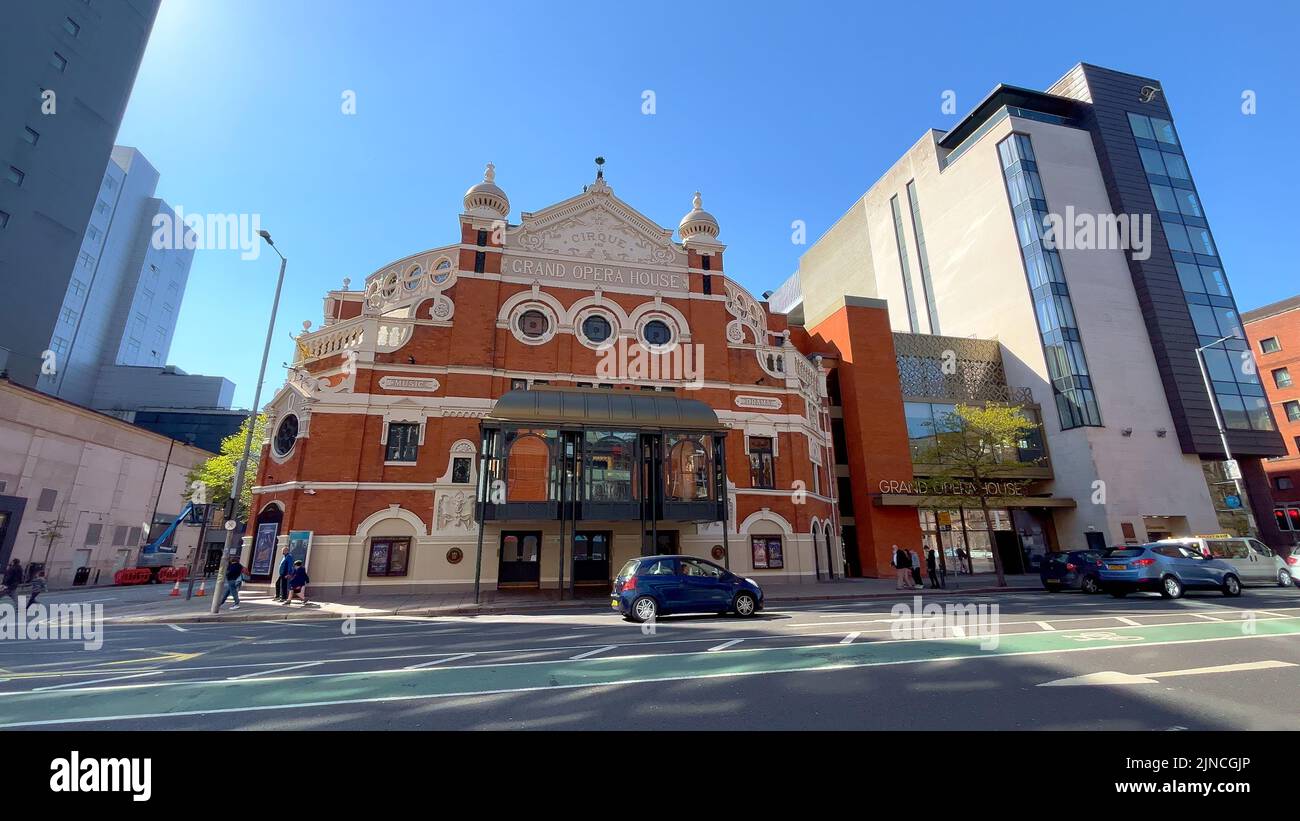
(1076, 570)
(1255, 562)
(1168, 568)
(652, 586)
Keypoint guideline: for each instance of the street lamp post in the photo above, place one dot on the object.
(1223, 433)
(238, 486)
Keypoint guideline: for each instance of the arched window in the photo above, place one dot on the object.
(689, 468)
(611, 467)
(527, 469)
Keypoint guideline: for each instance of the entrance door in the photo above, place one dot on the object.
(520, 559)
(665, 542)
(591, 559)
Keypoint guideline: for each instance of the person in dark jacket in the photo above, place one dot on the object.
(902, 562)
(298, 583)
(932, 566)
(234, 580)
(12, 578)
(286, 570)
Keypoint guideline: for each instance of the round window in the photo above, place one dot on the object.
(657, 332)
(285, 435)
(596, 328)
(533, 324)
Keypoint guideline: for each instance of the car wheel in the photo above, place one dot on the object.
(1171, 588)
(745, 605)
(1283, 578)
(1090, 585)
(1119, 594)
(1231, 585)
(643, 609)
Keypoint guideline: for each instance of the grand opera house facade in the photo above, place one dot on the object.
(534, 403)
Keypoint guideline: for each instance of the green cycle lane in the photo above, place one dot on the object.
(140, 700)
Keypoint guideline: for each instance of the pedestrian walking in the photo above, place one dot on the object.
(298, 583)
(963, 561)
(902, 563)
(234, 581)
(38, 587)
(282, 581)
(916, 569)
(932, 567)
(12, 578)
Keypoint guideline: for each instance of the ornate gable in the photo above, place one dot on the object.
(595, 226)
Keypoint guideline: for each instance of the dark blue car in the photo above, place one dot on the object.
(654, 586)
(1076, 570)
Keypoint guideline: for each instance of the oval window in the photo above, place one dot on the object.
(657, 332)
(596, 328)
(285, 435)
(533, 324)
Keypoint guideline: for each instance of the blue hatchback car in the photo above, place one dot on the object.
(1167, 568)
(652, 586)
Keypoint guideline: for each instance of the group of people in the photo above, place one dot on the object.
(13, 577)
(908, 566)
(290, 584)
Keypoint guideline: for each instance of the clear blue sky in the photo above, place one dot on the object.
(777, 112)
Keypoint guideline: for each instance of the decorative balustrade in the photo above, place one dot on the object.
(332, 340)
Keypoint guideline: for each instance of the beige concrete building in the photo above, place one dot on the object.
(77, 487)
(1099, 319)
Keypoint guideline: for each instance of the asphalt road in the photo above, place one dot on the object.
(1064, 661)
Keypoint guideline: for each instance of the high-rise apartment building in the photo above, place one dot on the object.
(69, 68)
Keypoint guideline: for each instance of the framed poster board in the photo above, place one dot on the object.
(264, 549)
(300, 546)
(767, 552)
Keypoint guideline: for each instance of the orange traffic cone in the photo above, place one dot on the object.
(202, 588)
(176, 590)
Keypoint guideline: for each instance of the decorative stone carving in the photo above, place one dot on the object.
(455, 510)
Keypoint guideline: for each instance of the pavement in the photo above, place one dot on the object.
(155, 604)
(1009, 660)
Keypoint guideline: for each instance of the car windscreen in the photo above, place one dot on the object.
(628, 569)
(1125, 553)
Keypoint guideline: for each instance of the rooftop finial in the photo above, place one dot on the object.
(490, 173)
(697, 203)
(600, 168)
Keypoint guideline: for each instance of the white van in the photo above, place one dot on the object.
(1255, 562)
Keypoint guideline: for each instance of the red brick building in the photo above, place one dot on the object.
(600, 387)
(1274, 334)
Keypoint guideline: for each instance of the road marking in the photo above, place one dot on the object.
(422, 665)
(724, 645)
(1044, 625)
(166, 656)
(1111, 677)
(593, 673)
(276, 670)
(1127, 621)
(1207, 617)
(592, 652)
(96, 681)
(178, 628)
(849, 638)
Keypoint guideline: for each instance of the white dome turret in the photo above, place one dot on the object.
(486, 199)
(698, 224)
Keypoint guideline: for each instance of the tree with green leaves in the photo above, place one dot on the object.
(975, 449)
(218, 473)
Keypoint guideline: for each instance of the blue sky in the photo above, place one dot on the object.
(776, 112)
